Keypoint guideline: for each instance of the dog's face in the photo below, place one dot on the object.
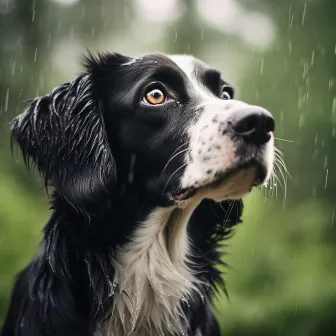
(165, 126)
(176, 130)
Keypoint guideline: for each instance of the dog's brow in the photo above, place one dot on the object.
(172, 76)
(211, 75)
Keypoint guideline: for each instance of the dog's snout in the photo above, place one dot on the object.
(252, 123)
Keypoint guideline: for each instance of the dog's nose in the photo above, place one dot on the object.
(252, 123)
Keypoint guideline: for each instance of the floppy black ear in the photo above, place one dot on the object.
(63, 134)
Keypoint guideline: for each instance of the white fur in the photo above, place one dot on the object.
(210, 149)
(187, 64)
(269, 157)
(132, 61)
(153, 277)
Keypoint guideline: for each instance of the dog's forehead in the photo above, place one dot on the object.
(190, 65)
(194, 69)
(191, 69)
(187, 64)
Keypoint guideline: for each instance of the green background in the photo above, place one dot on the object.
(278, 54)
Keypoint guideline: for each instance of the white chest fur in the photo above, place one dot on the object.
(153, 278)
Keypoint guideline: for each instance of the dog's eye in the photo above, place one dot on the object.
(155, 97)
(226, 92)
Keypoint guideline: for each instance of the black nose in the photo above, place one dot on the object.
(252, 123)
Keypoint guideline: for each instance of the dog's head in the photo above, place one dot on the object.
(165, 127)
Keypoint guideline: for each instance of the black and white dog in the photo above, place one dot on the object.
(148, 158)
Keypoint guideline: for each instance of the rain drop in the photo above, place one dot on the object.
(6, 99)
(312, 58)
(326, 180)
(33, 10)
(304, 14)
(35, 55)
(262, 66)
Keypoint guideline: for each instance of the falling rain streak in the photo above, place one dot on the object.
(312, 58)
(304, 14)
(6, 100)
(326, 180)
(35, 55)
(33, 10)
(262, 66)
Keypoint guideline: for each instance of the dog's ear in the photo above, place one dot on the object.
(64, 135)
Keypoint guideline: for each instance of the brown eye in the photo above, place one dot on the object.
(227, 92)
(155, 97)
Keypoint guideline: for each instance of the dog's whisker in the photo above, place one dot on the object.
(179, 147)
(268, 188)
(279, 158)
(283, 174)
(228, 213)
(280, 164)
(280, 139)
(259, 193)
(172, 175)
(172, 158)
(276, 149)
(277, 182)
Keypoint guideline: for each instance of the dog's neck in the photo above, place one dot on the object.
(153, 277)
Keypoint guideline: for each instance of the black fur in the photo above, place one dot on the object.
(104, 156)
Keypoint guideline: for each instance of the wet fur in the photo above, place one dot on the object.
(89, 254)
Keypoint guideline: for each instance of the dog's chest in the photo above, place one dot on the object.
(152, 280)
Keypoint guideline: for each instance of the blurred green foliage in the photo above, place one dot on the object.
(283, 279)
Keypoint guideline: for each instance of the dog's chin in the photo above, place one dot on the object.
(235, 186)
(231, 184)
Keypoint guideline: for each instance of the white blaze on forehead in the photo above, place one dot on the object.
(185, 62)
(132, 61)
(188, 65)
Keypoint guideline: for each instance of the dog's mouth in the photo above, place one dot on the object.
(185, 194)
(221, 177)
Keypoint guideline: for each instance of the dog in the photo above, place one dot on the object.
(147, 159)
